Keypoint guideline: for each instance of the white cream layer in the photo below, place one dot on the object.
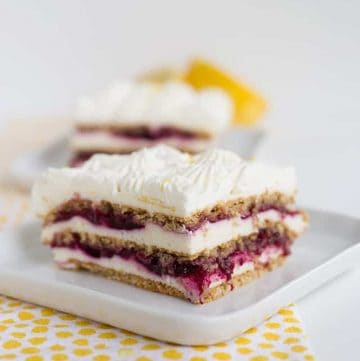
(103, 141)
(172, 104)
(295, 223)
(209, 236)
(63, 255)
(162, 179)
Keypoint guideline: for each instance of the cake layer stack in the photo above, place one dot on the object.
(192, 226)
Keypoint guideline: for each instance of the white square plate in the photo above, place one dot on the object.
(25, 169)
(27, 272)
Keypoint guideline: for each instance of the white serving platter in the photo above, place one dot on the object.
(330, 247)
(25, 169)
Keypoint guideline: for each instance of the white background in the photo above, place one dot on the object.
(303, 56)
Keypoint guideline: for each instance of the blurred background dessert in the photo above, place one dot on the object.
(129, 116)
(186, 108)
(249, 106)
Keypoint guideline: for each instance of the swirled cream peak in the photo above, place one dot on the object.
(172, 104)
(162, 179)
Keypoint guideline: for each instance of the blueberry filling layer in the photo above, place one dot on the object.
(82, 156)
(79, 158)
(147, 133)
(107, 216)
(102, 217)
(197, 271)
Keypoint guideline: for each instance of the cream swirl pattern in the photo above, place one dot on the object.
(162, 179)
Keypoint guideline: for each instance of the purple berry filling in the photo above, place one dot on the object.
(148, 133)
(79, 158)
(96, 216)
(199, 271)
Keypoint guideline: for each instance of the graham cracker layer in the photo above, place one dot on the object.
(66, 237)
(88, 153)
(155, 286)
(84, 153)
(222, 210)
(219, 291)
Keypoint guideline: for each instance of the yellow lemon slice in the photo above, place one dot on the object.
(248, 105)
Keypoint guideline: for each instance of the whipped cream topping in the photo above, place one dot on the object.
(172, 104)
(162, 179)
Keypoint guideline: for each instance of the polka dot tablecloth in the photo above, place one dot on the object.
(34, 333)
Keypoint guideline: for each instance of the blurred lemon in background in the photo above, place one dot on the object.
(249, 106)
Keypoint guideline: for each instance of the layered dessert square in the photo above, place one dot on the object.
(191, 226)
(130, 116)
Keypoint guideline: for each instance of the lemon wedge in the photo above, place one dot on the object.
(248, 105)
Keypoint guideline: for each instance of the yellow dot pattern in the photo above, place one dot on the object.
(33, 333)
(41, 338)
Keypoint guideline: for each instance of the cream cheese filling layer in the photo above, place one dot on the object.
(101, 140)
(209, 236)
(62, 256)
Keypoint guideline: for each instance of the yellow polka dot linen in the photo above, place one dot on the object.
(33, 333)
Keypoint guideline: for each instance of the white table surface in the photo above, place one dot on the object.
(328, 171)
